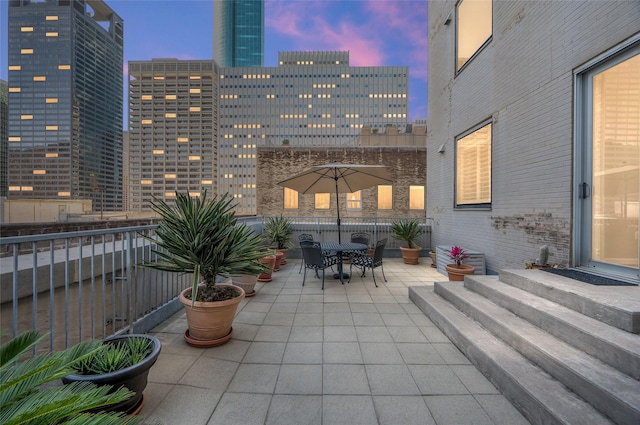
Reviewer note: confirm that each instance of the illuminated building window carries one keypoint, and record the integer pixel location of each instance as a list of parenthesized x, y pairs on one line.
[(147, 97), (51, 34), (145, 181), (51, 18), (51, 100), (183, 139), (14, 139), (194, 194), (158, 151), (290, 198), (27, 188), (15, 89), (194, 91), (14, 188), (194, 77), (64, 193), (170, 194), (416, 197), (322, 201), (26, 29), (26, 51), (64, 67), (354, 200), (51, 155), (158, 77), (39, 78), (206, 182), (15, 67), (385, 197), (474, 28), (146, 121), (194, 109), (169, 176), (473, 168), (194, 157), (170, 115), (170, 97), (39, 172), (26, 117), (51, 127)]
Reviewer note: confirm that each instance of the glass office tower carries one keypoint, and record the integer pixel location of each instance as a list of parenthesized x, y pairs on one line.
[(65, 101), (238, 33)]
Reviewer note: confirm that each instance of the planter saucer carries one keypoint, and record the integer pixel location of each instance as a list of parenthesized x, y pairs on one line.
[(206, 343), (249, 294)]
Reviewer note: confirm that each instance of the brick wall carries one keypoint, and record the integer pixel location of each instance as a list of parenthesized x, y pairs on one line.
[(523, 81), (407, 166)]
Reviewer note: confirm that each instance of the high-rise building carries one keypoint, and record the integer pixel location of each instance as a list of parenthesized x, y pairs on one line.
[(238, 33), (65, 101), (4, 116), (309, 99), (172, 129)]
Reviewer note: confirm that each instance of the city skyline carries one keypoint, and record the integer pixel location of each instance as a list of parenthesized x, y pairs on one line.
[(375, 32)]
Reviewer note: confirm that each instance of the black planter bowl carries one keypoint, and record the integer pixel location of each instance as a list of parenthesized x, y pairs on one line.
[(133, 377)]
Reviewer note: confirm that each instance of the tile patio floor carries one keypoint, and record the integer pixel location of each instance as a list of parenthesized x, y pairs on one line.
[(348, 355)]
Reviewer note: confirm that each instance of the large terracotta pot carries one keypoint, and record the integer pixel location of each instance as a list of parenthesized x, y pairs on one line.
[(210, 322), (133, 377), (410, 255), (270, 262), (457, 273), (284, 251), (247, 282)]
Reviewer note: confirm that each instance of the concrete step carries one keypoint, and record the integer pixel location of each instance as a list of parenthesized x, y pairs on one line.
[(539, 397), (607, 389), (618, 306), (611, 345)]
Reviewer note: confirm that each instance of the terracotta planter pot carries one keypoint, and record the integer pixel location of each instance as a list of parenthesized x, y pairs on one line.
[(456, 273), (247, 282), (270, 262), (133, 377), (279, 258), (410, 255), (284, 251), (209, 322)]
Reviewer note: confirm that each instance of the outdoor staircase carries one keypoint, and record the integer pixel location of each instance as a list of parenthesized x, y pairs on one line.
[(562, 351)]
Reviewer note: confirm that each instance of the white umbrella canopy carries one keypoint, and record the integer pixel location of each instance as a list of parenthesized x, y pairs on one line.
[(338, 178)]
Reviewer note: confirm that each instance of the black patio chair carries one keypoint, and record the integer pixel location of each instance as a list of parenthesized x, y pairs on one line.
[(363, 261), (359, 237), (304, 237), (315, 259)]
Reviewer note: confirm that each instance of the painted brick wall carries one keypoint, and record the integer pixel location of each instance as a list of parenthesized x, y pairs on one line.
[(523, 80)]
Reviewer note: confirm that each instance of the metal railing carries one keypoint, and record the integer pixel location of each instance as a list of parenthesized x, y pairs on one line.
[(91, 284)]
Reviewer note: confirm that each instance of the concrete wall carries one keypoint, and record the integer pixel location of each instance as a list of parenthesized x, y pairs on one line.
[(43, 210), (407, 166), (523, 81)]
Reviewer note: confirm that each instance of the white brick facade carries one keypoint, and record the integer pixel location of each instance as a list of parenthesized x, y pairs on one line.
[(523, 80)]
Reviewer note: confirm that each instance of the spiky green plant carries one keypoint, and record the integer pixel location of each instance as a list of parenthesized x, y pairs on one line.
[(200, 236), (406, 230), (25, 399), (116, 355), (279, 231)]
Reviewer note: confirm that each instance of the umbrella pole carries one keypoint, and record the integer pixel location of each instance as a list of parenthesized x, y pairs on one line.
[(338, 207)]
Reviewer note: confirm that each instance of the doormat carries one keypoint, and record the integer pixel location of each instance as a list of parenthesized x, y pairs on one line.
[(588, 278)]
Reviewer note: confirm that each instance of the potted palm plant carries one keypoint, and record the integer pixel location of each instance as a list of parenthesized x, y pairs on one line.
[(124, 361), (279, 231), (29, 396), (202, 237), (457, 270), (407, 230)]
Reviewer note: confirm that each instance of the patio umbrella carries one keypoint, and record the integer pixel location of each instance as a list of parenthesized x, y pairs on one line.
[(341, 178)]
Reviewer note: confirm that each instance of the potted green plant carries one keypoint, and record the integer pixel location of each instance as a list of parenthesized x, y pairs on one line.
[(457, 270), (202, 237), (124, 361), (27, 391), (279, 230), (407, 230)]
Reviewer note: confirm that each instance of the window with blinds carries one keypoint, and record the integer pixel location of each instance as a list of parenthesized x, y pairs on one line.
[(473, 168)]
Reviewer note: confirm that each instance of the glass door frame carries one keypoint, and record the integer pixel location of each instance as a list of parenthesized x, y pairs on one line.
[(583, 157)]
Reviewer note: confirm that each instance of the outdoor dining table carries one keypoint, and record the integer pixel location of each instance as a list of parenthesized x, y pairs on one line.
[(340, 248)]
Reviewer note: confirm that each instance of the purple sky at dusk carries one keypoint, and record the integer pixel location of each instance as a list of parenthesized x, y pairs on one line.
[(375, 32)]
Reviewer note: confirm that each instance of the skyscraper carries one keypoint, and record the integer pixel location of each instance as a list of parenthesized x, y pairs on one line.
[(238, 33), (65, 101), (4, 114)]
